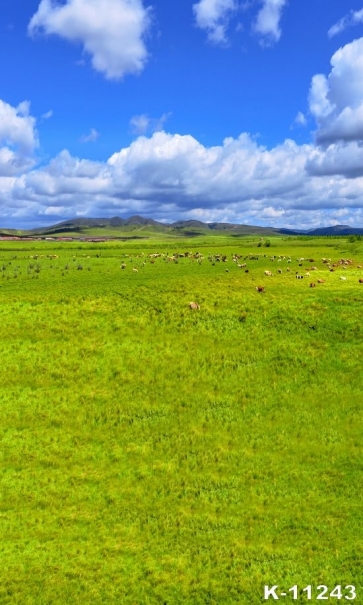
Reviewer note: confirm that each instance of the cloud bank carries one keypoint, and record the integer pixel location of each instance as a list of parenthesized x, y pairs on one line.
[(112, 32), (172, 176)]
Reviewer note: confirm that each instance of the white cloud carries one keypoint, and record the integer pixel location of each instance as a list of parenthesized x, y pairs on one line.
[(91, 137), (338, 159), (143, 124), (213, 16), (140, 124), (18, 138), (267, 23), (173, 176), (336, 101), (352, 18), (47, 115), (111, 31), (320, 106), (300, 119)]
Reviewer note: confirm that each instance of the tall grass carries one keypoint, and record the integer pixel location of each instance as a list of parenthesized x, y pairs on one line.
[(151, 454)]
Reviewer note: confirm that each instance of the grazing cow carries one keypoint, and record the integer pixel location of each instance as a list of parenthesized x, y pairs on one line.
[(279, 270), (361, 281), (135, 270), (194, 306), (260, 288), (321, 281), (312, 285), (246, 270), (123, 266), (268, 273), (299, 276)]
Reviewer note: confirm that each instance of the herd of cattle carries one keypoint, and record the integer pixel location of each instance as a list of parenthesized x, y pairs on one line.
[(342, 263), (243, 261)]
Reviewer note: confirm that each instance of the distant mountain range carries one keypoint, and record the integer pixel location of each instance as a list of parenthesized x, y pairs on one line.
[(117, 226)]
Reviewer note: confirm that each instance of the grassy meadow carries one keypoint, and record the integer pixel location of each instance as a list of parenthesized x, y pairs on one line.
[(155, 455)]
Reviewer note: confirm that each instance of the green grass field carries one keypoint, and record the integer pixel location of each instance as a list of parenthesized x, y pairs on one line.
[(154, 455)]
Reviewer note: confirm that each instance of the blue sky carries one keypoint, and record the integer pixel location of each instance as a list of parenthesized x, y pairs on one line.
[(242, 111)]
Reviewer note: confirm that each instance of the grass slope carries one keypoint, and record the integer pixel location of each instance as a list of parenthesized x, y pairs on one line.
[(154, 455), (116, 227)]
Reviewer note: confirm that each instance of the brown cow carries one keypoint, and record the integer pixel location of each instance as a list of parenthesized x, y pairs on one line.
[(260, 288), (361, 281), (321, 281), (193, 305), (312, 285)]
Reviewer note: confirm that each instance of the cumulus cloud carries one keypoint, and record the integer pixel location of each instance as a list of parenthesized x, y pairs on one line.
[(18, 138), (267, 23), (171, 176), (111, 31), (344, 159), (180, 168), (91, 137), (213, 16), (336, 101), (352, 18), (143, 124)]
